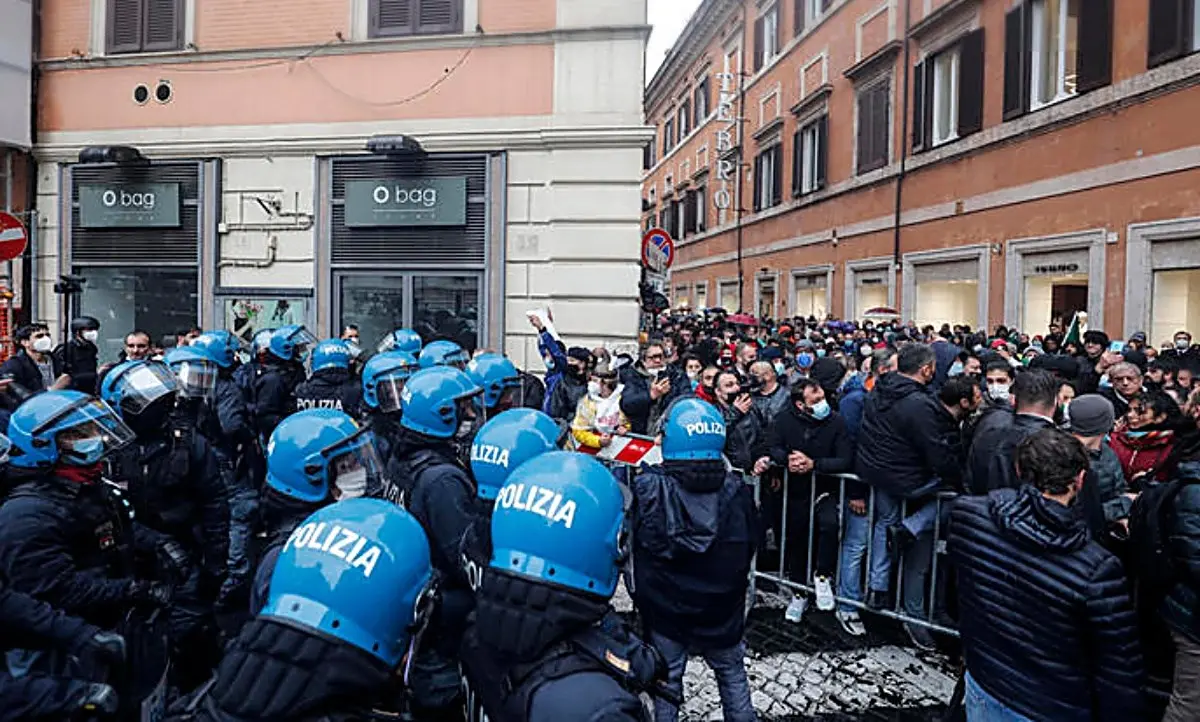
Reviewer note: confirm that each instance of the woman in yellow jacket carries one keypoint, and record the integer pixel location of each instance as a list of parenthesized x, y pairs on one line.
[(598, 416)]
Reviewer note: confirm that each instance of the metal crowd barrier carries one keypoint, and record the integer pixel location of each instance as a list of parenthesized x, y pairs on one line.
[(896, 575)]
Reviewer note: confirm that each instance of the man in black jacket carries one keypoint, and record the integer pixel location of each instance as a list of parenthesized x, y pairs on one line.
[(34, 368), (1048, 626), (573, 385), (990, 463), (650, 387), (745, 425), (78, 356)]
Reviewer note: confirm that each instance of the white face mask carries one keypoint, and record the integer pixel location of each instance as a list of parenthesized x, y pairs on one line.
[(352, 484), (43, 344), (998, 392), (593, 389), (91, 335)]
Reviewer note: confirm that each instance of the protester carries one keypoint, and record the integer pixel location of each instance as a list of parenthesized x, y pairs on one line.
[(598, 415), (1145, 436), (33, 367), (990, 465)]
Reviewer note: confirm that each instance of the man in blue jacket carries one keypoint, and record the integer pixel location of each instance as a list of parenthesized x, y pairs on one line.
[(694, 531)]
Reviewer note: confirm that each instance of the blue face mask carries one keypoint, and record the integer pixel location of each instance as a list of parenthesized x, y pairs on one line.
[(695, 383), (804, 360), (86, 452), (549, 361), (956, 369), (820, 410), (779, 368), (820, 353), (1136, 434)]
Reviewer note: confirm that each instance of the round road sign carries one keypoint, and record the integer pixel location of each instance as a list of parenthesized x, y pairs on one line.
[(13, 237), (658, 250)]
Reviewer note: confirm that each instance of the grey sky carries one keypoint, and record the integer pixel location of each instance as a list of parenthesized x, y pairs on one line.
[(668, 18)]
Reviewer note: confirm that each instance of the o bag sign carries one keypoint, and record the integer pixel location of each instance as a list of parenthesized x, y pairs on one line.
[(129, 205), (406, 202)]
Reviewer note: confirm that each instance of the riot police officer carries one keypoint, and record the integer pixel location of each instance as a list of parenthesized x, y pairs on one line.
[(443, 353), (695, 534), (66, 537), (402, 339), (350, 594), (331, 385), (176, 488), (499, 379), (245, 374), (383, 380), (502, 444), (544, 645), (282, 372), (437, 405), (316, 456)]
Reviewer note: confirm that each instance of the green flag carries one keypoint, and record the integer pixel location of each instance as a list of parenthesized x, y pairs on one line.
[(1077, 328)]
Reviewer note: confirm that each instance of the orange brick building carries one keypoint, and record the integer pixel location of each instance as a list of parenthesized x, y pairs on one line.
[(970, 161)]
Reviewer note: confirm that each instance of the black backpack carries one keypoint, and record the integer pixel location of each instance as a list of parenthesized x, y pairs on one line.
[(1150, 523)]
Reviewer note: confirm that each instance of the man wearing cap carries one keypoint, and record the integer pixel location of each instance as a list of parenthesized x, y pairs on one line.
[(1105, 497)]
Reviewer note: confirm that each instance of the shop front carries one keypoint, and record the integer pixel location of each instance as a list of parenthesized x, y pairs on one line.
[(946, 287), (869, 284), (409, 242), (727, 295), (1162, 282), (764, 293), (811, 289), (134, 236), (1051, 279)]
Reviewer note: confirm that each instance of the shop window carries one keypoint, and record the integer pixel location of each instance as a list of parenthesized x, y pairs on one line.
[(952, 302), (701, 102), (701, 291), (668, 136), (246, 316), (874, 125), (1174, 30), (685, 119), (1046, 298), (810, 155), (390, 18), (143, 26), (727, 296), (810, 297), (681, 297), (869, 293), (948, 93), (1053, 50), (766, 297), (1175, 304), (768, 179), (159, 301), (766, 38)]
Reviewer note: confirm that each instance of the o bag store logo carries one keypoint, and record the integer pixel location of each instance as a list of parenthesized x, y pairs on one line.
[(406, 202), (129, 205)]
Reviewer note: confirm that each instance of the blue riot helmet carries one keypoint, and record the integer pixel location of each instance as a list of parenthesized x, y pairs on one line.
[(504, 443), (133, 386), (357, 571), (66, 427), (694, 431), (547, 426), (197, 374), (402, 339), (498, 378), (221, 347), (560, 519), (383, 379), (443, 353), (318, 453), (290, 343), (438, 401), (332, 353), (261, 341)]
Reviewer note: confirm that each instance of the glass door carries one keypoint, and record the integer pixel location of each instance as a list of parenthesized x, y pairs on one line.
[(435, 305), (447, 306), (373, 303)]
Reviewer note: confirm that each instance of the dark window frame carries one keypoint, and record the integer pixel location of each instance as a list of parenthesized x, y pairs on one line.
[(873, 136), (968, 111), (701, 109), (776, 153), (416, 25), (821, 176), (1170, 29), (685, 118), (1093, 55)]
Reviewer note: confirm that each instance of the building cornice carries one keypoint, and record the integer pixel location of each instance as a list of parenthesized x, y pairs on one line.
[(697, 35)]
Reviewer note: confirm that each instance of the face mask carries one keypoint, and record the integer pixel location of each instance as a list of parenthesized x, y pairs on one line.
[(355, 350), (692, 375), (91, 335), (820, 410), (352, 484), (865, 351), (1182, 343), (695, 384), (1136, 434), (779, 369), (731, 397), (575, 372), (466, 429), (956, 369), (593, 388), (820, 353), (43, 344), (86, 451), (804, 359), (998, 392)]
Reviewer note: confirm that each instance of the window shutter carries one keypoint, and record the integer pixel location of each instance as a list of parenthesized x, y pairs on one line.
[(392, 17), (689, 213), (822, 150), (758, 182), (797, 160), (920, 100), (439, 16), (164, 25), (1168, 34), (880, 123), (970, 83), (777, 180), (1016, 63), (798, 17), (1094, 56), (864, 130), (124, 20), (758, 44), (701, 209)]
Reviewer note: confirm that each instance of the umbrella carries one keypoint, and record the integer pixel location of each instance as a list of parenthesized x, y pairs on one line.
[(881, 313), (743, 319)]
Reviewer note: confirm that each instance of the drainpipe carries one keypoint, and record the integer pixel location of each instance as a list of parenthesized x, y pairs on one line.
[(741, 156), (29, 258), (903, 136)]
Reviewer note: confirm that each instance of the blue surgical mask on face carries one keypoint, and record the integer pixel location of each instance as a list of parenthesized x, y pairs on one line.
[(956, 369), (820, 353), (779, 368), (86, 451), (804, 359), (1136, 434), (820, 410)]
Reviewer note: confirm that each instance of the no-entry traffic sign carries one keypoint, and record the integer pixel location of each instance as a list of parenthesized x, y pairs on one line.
[(658, 250), (13, 237)]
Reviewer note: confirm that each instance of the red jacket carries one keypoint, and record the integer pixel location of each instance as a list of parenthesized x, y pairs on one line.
[(1148, 453)]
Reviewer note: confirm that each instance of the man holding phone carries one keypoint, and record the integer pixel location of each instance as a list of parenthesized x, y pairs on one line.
[(745, 425), (650, 387)]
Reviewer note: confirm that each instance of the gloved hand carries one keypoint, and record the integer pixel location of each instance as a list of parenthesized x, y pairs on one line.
[(108, 646), (94, 699), (152, 593), (173, 556)]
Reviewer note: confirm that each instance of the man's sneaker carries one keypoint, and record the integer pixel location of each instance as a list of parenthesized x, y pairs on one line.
[(851, 623), (921, 637), (878, 600), (824, 589), (795, 610)]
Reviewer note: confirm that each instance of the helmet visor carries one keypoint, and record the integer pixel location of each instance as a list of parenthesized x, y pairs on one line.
[(353, 465), (144, 384), (388, 389), (387, 343), (88, 431), (303, 341), (197, 379)]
